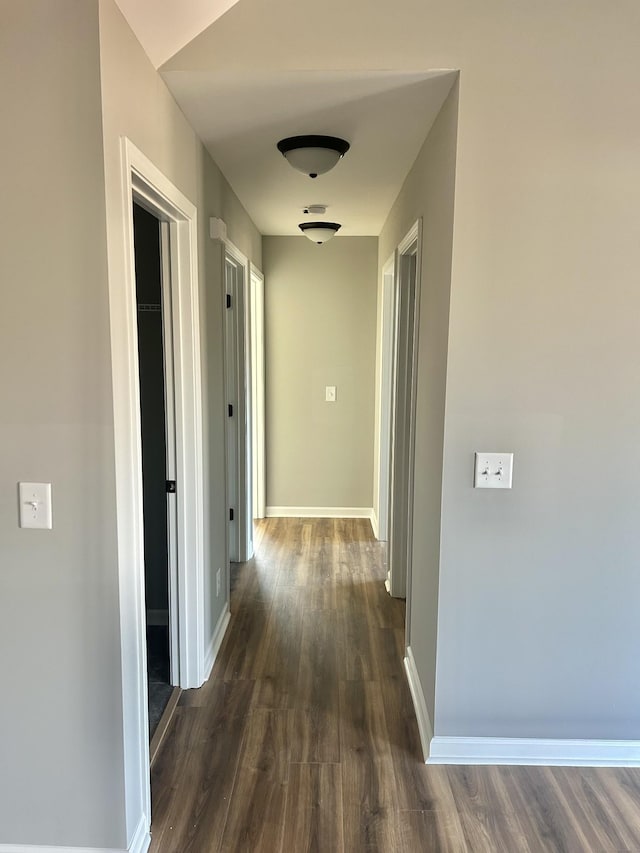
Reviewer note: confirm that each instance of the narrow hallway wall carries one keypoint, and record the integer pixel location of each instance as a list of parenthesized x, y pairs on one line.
[(320, 314)]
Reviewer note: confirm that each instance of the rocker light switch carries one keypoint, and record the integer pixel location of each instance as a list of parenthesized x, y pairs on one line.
[(493, 471), (330, 393), (35, 505)]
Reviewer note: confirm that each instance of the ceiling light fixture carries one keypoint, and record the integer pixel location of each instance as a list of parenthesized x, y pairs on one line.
[(319, 232), (313, 155)]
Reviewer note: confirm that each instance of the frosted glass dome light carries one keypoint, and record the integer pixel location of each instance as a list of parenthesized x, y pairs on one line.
[(313, 155), (319, 232)]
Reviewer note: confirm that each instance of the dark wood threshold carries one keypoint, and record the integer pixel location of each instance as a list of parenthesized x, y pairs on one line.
[(163, 725)]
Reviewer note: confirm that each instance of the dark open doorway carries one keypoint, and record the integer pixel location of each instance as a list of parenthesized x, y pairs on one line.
[(151, 360)]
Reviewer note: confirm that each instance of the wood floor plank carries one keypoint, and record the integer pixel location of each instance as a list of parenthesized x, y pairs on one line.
[(432, 831), (193, 777), (547, 828), (595, 829), (369, 796), (315, 695), (305, 739), (313, 820), (358, 655), (249, 627), (259, 792), (276, 661)]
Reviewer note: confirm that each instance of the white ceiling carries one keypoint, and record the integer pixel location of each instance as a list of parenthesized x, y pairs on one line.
[(163, 27), (241, 115), (384, 115)]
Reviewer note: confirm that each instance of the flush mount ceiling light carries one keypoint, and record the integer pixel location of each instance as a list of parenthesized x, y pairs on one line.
[(313, 155), (319, 232)]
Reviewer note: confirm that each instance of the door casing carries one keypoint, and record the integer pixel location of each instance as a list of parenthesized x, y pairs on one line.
[(404, 384), (143, 181)]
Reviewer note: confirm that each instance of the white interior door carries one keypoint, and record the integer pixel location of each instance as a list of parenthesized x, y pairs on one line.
[(233, 469), (238, 392)]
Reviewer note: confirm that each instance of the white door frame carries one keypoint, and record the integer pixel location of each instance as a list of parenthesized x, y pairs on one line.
[(387, 349), (258, 392), (238, 391), (150, 188), (402, 470), (168, 321)]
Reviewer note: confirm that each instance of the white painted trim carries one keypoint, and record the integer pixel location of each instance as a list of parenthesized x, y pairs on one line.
[(387, 333), (256, 310), (140, 844), (152, 189), (239, 257), (420, 706), (141, 839), (140, 179), (521, 751), (320, 512), (168, 322), (411, 237), (374, 522), (404, 388), (216, 641)]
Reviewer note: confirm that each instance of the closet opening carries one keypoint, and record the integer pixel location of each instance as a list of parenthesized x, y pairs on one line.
[(155, 368)]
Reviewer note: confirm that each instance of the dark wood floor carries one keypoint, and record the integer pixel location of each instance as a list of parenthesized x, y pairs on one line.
[(304, 739)]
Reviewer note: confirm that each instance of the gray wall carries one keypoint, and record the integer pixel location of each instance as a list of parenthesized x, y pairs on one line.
[(428, 193), (320, 313), (162, 133), (137, 104), (62, 780), (538, 626), (61, 720)]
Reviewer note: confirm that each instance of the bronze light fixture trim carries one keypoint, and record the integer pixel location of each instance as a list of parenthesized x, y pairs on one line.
[(319, 232), (313, 155)]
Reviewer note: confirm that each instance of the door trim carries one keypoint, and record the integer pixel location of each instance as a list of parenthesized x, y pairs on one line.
[(387, 348), (256, 307), (140, 179), (400, 576), (167, 276)]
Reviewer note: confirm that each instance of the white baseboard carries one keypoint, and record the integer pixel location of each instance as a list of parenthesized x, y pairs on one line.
[(319, 512), (157, 617), (216, 642), (417, 694), (551, 752), (142, 837), (139, 844), (374, 522)]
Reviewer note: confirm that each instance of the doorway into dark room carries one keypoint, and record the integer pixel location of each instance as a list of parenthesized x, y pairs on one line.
[(157, 488)]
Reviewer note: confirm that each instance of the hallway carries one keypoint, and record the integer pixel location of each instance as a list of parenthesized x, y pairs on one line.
[(304, 738)]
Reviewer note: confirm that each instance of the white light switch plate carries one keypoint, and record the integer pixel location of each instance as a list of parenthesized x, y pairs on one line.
[(493, 471), (35, 505), (330, 394)]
